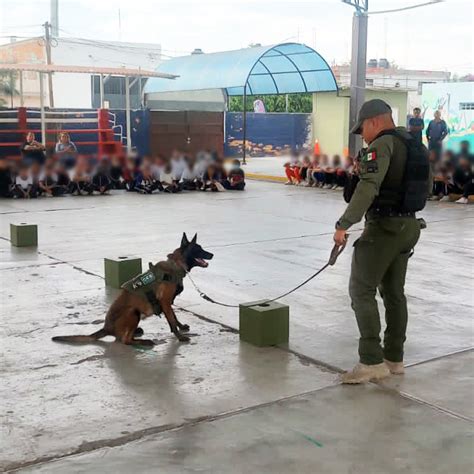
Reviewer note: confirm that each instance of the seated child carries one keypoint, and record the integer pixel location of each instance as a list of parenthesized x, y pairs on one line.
[(145, 183), (115, 173), (48, 181), (167, 180), (80, 179), (101, 181), (6, 181), (292, 170), (63, 182), (340, 175), (443, 183), (24, 187), (212, 179), (313, 168), (320, 172), (304, 167), (130, 173), (463, 178), (236, 177), (189, 175)]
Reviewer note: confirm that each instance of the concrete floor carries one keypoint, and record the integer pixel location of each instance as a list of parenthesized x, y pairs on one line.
[(217, 405)]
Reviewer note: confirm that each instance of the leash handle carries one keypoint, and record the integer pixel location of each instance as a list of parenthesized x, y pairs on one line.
[(336, 251)]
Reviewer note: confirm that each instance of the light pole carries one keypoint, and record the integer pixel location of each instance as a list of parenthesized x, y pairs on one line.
[(359, 59), (358, 66)]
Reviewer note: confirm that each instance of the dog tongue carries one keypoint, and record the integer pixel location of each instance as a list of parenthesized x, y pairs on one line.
[(201, 262)]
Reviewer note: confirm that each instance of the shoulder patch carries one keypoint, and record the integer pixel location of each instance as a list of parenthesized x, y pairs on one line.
[(371, 156)]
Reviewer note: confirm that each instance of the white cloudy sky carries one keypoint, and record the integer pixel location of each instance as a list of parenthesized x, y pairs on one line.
[(434, 37)]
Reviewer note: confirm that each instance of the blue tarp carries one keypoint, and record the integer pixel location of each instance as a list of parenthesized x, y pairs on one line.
[(280, 69)]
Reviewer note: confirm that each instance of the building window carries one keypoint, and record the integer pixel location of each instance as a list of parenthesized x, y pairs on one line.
[(466, 105), (114, 92), (369, 82)]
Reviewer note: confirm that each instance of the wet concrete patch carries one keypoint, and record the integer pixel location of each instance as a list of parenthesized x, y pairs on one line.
[(337, 430)]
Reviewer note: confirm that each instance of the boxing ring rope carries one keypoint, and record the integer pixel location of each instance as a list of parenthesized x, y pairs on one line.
[(49, 69)]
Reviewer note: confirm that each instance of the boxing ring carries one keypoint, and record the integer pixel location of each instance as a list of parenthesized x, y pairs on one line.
[(96, 129)]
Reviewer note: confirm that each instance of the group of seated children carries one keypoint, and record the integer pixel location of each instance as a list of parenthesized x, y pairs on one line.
[(89, 175), (204, 172), (453, 174), (319, 171)]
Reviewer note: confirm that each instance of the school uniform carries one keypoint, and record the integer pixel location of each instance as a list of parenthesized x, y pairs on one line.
[(22, 185), (145, 185), (100, 181), (51, 181)]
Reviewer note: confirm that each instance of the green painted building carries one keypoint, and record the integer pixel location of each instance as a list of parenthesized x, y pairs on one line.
[(331, 116)]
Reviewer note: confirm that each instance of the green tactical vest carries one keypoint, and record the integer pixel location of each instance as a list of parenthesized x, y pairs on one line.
[(146, 283)]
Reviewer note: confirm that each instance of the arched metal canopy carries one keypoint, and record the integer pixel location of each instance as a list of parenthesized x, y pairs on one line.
[(279, 69)]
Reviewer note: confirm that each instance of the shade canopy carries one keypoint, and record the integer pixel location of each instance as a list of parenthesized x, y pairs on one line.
[(280, 69)]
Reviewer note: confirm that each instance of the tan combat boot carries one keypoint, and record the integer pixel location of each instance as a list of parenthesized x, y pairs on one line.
[(362, 373), (396, 368)]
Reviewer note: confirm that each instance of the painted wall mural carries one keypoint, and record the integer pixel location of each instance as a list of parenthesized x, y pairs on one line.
[(268, 134), (455, 101)]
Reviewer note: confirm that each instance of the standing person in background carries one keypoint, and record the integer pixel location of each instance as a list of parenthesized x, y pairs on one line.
[(436, 133), (32, 151), (66, 150), (416, 124)]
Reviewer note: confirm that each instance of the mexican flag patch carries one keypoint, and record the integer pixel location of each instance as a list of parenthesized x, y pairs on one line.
[(371, 156)]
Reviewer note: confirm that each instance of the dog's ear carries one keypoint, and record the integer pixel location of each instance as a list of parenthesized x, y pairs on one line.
[(184, 240), (194, 238)]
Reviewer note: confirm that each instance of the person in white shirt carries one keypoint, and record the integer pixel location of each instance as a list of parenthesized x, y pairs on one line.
[(178, 164), (167, 180), (24, 184), (189, 175)]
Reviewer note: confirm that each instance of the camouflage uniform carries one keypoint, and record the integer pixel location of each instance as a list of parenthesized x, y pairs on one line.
[(381, 253)]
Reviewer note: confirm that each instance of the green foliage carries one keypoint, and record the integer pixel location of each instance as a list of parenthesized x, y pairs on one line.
[(7, 86), (297, 103)]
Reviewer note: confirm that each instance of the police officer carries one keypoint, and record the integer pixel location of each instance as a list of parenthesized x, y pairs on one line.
[(381, 253)]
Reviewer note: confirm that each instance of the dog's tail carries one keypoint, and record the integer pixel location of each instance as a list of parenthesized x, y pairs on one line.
[(92, 337)]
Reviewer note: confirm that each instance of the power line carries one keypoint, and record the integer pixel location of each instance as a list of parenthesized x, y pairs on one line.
[(411, 7)]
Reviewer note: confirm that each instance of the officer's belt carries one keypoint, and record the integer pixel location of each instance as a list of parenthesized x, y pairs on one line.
[(388, 212)]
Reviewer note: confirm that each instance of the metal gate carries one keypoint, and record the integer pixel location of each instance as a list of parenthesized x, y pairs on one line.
[(186, 130)]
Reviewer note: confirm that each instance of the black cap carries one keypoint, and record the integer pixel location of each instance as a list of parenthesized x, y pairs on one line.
[(371, 108)]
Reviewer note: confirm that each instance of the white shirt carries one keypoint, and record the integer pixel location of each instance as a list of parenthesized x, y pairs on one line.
[(189, 173), (166, 178), (24, 183), (177, 168)]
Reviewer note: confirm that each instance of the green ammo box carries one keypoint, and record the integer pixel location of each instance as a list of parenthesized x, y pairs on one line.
[(24, 235), (264, 323), (121, 269)]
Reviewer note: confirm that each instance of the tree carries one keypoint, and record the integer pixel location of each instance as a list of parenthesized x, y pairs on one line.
[(7, 87), (297, 103)]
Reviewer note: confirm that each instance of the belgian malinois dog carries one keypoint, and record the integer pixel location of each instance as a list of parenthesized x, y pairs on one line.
[(150, 293)]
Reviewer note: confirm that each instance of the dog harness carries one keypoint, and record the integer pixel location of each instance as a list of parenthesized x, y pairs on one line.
[(145, 284)]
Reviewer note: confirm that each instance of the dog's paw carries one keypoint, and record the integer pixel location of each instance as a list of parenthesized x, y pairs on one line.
[(182, 338), (184, 328)]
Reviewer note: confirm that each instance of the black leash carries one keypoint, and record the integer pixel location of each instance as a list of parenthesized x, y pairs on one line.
[(335, 252)]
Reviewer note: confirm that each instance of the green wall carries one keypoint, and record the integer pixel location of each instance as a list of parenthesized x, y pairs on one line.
[(331, 116)]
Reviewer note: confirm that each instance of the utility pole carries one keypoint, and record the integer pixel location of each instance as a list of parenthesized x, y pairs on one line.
[(358, 67), (54, 18), (47, 40)]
